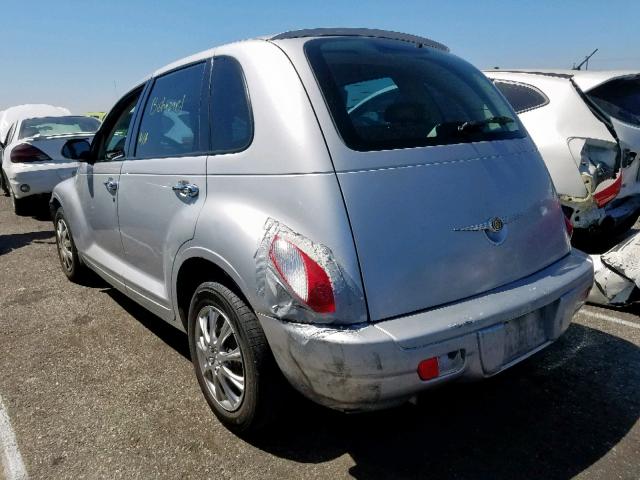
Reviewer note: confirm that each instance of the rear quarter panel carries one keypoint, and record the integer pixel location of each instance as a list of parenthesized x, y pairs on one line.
[(285, 174)]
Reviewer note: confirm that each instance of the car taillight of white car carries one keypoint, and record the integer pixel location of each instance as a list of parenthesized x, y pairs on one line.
[(25, 153), (599, 165)]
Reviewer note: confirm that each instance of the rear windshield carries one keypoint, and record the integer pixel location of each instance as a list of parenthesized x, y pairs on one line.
[(386, 94), (619, 98), (46, 126)]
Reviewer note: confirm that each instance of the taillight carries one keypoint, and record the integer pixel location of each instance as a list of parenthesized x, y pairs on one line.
[(25, 153), (569, 226), (429, 369), (610, 192), (304, 276)]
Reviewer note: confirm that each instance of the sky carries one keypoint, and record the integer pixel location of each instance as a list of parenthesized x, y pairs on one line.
[(84, 54)]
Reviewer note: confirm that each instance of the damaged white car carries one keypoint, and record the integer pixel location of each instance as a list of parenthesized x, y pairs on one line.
[(357, 211), (586, 125), (11, 115), (35, 158)]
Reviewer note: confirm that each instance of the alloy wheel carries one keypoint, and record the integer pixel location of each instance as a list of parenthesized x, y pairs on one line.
[(220, 358), (64, 244)]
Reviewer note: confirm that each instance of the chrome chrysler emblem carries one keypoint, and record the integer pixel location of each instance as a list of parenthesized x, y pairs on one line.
[(495, 225)]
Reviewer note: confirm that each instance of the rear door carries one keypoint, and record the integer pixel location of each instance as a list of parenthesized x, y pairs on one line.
[(162, 188)]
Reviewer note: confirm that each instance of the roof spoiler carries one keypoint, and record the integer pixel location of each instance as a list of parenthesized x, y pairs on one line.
[(361, 32)]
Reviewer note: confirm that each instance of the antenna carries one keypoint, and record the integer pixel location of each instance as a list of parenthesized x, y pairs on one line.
[(584, 62)]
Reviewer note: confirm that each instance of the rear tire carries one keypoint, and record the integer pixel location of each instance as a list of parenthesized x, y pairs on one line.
[(70, 261), (20, 205), (232, 360)]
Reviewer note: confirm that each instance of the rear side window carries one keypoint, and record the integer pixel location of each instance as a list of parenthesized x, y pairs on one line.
[(385, 94), (522, 97), (231, 119), (170, 122), (619, 98)]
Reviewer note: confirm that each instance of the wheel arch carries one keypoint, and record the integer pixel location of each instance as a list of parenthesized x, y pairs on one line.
[(195, 267), (54, 205)]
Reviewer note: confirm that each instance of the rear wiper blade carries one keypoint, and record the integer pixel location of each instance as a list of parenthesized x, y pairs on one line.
[(474, 124)]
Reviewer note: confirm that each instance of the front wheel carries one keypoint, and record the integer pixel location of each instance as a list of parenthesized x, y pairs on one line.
[(71, 264), (4, 184), (232, 360)]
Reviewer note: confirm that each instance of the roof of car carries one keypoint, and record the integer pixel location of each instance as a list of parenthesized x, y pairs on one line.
[(308, 33), (585, 79), (360, 32)]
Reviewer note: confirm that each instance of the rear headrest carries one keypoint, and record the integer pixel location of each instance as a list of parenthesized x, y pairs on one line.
[(405, 112)]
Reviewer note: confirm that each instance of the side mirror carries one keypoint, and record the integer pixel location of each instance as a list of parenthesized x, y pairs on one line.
[(77, 149)]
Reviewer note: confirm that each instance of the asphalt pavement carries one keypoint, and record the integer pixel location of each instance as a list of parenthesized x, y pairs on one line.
[(93, 386)]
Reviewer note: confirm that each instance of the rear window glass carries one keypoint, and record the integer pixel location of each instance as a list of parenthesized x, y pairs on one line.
[(521, 97), (386, 94), (46, 126), (619, 98)]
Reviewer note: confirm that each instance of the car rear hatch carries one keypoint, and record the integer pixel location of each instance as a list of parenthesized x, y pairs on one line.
[(444, 204), (618, 99)]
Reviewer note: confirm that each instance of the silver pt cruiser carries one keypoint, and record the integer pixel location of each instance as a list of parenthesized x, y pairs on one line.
[(359, 210)]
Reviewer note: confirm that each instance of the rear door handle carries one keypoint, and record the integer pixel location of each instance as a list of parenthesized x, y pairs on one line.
[(111, 185), (186, 189)]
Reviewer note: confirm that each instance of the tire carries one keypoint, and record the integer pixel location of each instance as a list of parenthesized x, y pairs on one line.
[(20, 205), (4, 184), (246, 355), (70, 261)]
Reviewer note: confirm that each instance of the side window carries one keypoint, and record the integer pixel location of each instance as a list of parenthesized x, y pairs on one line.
[(170, 122), (522, 97), (231, 119), (112, 147)]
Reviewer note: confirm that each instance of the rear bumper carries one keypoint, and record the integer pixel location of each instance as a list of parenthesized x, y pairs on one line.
[(372, 366), (40, 178), (621, 210)]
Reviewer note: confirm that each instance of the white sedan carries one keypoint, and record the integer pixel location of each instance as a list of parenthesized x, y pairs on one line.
[(35, 158), (586, 125)]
